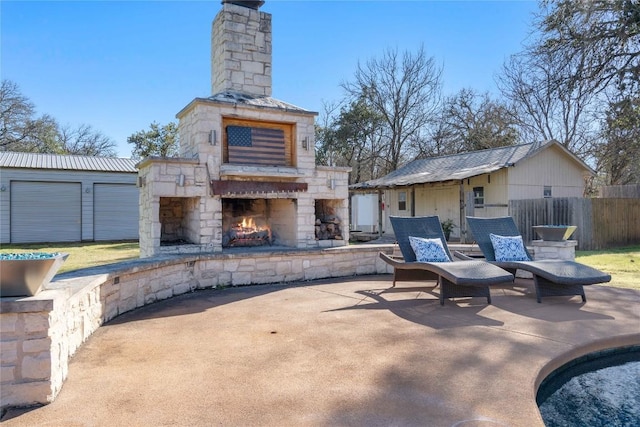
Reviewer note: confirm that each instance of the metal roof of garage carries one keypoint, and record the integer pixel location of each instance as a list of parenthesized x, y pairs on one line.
[(10, 159)]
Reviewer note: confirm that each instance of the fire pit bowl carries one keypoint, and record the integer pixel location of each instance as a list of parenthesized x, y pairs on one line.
[(554, 233), (24, 274)]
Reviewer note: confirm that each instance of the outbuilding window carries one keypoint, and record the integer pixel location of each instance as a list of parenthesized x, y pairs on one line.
[(402, 200), (478, 197), (547, 192)]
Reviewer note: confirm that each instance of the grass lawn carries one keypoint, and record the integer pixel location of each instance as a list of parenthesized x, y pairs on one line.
[(622, 263), (82, 255)]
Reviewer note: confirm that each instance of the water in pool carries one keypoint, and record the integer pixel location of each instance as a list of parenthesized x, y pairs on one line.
[(594, 391)]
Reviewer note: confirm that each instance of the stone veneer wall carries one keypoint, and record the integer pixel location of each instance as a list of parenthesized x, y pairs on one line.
[(241, 51), (38, 335), (201, 161), (564, 250), (202, 115), (160, 177)]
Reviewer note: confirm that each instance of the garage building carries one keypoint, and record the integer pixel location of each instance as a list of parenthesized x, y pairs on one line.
[(67, 198)]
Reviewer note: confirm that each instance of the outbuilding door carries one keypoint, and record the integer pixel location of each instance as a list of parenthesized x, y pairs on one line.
[(115, 212), (45, 211)]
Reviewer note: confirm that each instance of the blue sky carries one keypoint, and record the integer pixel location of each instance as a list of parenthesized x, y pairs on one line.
[(120, 65)]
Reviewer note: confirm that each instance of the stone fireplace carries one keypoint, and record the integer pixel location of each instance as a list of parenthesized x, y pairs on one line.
[(246, 177)]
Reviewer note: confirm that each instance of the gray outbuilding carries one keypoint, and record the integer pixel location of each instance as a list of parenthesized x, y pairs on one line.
[(67, 198)]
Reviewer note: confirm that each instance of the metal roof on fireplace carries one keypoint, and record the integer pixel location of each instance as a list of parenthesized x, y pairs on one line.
[(237, 98)]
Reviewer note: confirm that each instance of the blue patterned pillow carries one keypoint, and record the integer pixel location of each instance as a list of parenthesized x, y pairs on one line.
[(428, 250), (508, 248)]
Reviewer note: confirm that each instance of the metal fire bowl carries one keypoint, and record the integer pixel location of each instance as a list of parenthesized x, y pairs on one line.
[(26, 277), (554, 233)]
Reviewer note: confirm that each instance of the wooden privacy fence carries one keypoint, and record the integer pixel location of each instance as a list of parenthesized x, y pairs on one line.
[(630, 191), (602, 223)]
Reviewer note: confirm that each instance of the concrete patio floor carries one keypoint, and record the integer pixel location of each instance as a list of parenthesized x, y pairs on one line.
[(342, 352)]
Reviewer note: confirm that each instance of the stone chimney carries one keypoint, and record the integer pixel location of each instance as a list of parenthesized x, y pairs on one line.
[(241, 49)]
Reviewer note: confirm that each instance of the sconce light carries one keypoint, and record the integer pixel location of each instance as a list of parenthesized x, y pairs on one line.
[(331, 183), (87, 190), (213, 140), (3, 188), (141, 181), (180, 180), (305, 143)]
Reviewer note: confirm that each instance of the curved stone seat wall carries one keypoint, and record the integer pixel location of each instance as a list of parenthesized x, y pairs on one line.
[(39, 334)]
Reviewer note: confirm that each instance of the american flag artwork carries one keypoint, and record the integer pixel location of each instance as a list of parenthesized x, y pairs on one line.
[(261, 146)]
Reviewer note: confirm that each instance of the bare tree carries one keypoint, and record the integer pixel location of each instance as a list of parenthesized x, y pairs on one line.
[(21, 131), (325, 139), (471, 121), (84, 140), (405, 91), (16, 115), (545, 104), (585, 54), (602, 35)]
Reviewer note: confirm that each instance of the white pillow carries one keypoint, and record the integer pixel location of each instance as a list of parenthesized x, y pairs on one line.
[(428, 250), (508, 248)]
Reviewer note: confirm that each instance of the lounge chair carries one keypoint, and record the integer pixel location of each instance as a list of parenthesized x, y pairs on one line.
[(456, 278), (551, 277)]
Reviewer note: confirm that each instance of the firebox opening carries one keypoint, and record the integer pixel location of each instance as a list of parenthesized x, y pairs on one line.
[(328, 225), (258, 222), (178, 220)]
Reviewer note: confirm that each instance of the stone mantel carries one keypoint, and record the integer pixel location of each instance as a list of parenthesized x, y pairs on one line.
[(227, 170)]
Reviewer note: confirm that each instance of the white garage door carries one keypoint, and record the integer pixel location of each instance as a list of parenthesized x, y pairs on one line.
[(45, 211), (115, 212)]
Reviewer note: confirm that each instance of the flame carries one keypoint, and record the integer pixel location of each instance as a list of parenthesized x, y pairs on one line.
[(248, 223), (247, 228)]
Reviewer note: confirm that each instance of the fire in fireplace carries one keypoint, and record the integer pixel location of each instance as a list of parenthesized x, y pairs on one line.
[(258, 222), (246, 231)]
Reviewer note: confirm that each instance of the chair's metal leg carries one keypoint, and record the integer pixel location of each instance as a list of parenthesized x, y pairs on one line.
[(449, 289), (537, 286), (548, 288)]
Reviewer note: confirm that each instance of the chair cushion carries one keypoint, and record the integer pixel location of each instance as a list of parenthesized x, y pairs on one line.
[(508, 248), (428, 250)]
